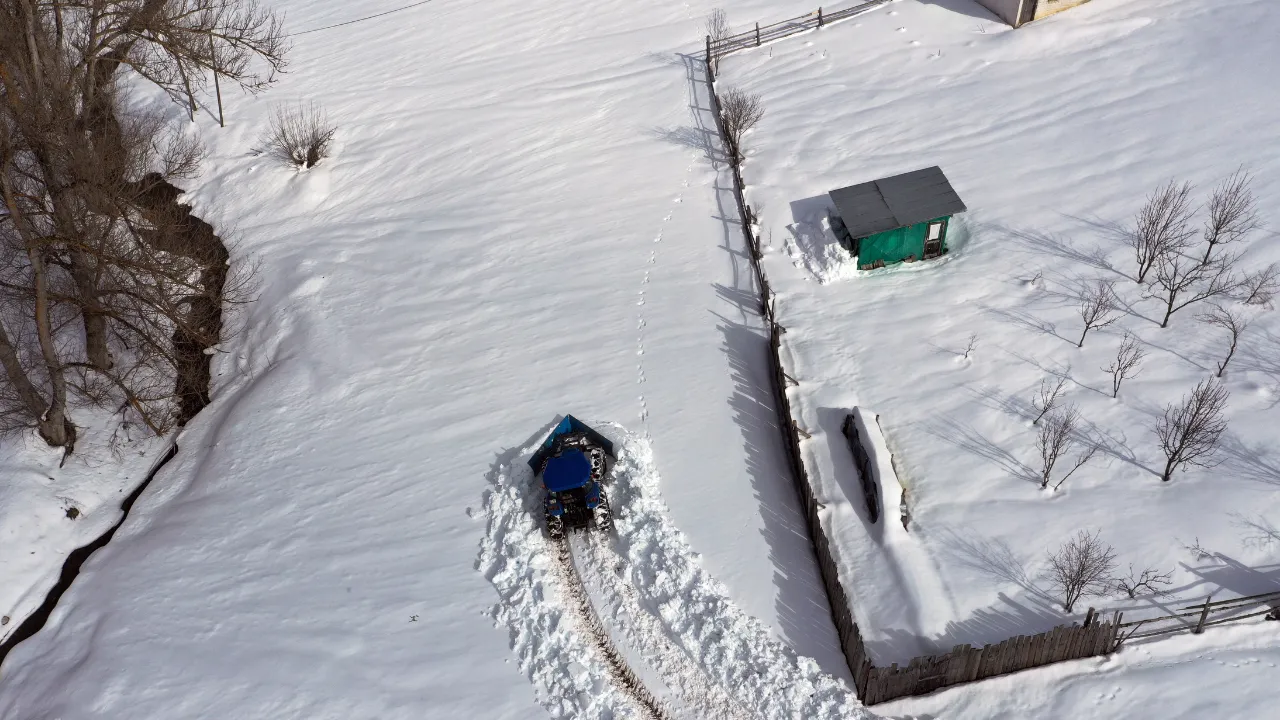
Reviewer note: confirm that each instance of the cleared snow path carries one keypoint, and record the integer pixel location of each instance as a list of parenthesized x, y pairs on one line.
[(717, 660)]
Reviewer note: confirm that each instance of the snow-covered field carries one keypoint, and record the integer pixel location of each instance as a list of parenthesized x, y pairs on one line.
[(521, 220), (1052, 135), (517, 223)]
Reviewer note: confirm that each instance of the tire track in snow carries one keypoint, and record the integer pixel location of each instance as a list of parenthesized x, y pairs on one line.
[(678, 670), (623, 677)]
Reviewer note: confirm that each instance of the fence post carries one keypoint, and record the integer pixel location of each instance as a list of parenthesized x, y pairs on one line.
[(1204, 614), (819, 16), (1088, 617), (213, 63), (711, 71), (757, 34)]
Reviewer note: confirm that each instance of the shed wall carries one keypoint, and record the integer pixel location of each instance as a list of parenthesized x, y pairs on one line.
[(895, 246), (1049, 7)]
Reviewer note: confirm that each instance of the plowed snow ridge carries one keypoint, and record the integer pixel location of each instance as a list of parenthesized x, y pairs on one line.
[(731, 655)]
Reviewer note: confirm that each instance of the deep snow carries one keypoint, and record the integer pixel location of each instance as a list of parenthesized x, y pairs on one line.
[(521, 220)]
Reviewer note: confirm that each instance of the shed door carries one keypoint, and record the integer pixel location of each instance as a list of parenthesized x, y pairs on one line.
[(933, 241), (1027, 12)]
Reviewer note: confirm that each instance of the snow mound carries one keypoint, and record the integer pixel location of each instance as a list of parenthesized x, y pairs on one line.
[(735, 651)]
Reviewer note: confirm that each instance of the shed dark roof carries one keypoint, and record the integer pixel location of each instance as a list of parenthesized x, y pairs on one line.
[(895, 202)]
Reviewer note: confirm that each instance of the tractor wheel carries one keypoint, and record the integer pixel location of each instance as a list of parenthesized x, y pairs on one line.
[(603, 514), (555, 527)]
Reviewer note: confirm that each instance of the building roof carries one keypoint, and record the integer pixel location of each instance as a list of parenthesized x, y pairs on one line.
[(895, 202)]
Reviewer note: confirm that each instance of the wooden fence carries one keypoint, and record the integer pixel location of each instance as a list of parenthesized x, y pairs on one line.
[(1200, 617), (761, 34)]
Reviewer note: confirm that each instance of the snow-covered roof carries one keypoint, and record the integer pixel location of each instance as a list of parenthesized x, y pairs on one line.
[(897, 201)]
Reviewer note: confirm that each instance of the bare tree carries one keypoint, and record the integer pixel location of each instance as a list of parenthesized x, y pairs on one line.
[(1188, 431), (1231, 321), (1233, 212), (1126, 365), (970, 345), (740, 111), (1082, 566), (1149, 579), (1054, 438), (718, 25), (1257, 288), (1163, 226), (1187, 280), (1097, 308), (299, 136), (1048, 396)]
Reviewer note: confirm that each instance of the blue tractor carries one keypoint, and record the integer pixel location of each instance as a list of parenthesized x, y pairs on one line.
[(572, 464)]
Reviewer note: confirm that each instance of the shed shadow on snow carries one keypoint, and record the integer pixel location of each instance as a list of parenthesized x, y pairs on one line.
[(970, 8), (803, 612)]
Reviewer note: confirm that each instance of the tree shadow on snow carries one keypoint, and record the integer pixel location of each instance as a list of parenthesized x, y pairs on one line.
[(971, 441), (803, 613)]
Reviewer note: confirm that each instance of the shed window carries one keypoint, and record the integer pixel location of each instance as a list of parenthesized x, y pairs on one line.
[(935, 231)]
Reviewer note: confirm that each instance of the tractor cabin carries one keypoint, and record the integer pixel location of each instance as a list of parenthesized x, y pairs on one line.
[(903, 218)]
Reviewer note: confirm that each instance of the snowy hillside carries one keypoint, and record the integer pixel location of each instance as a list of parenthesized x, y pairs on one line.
[(523, 217)]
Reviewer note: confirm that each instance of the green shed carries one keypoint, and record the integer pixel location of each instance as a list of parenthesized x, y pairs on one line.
[(903, 218)]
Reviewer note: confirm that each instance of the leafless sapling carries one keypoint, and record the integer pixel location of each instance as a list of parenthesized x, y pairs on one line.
[(1056, 437), (1189, 430), (1081, 566), (718, 25), (1048, 396), (1097, 308), (1233, 213), (1231, 321), (1185, 280), (1163, 226), (1126, 364), (1149, 579), (970, 345), (1257, 288), (740, 111)]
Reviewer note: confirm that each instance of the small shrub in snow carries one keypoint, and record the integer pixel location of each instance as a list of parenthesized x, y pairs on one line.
[(1127, 362), (1189, 431), (1082, 566), (299, 136), (970, 345)]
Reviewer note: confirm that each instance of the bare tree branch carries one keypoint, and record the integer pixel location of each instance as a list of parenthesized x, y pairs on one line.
[(1048, 396), (1150, 579), (1257, 288)]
